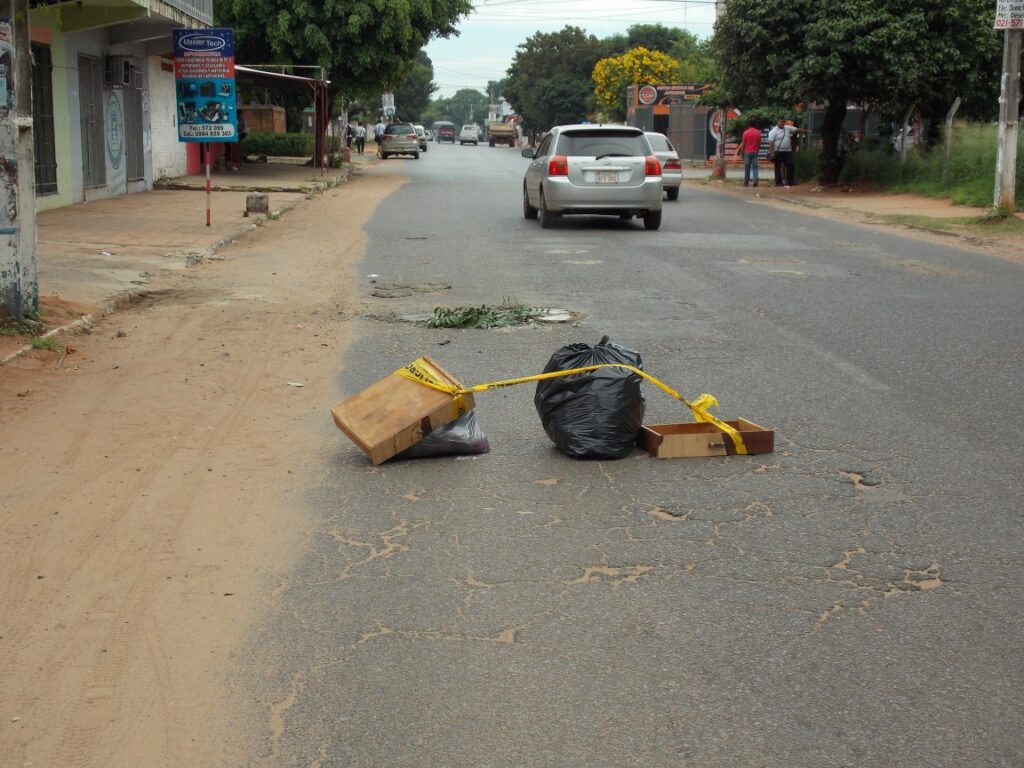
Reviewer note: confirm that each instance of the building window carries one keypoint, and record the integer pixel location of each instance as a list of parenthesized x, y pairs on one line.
[(42, 120)]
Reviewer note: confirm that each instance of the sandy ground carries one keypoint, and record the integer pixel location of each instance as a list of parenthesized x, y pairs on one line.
[(151, 477)]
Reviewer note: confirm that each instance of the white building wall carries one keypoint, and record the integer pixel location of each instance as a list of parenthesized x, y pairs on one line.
[(169, 159)]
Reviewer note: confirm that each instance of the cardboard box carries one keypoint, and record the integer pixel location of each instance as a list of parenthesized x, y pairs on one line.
[(678, 441), (394, 414)]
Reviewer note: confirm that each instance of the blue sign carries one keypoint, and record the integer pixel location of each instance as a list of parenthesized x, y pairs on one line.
[(204, 75)]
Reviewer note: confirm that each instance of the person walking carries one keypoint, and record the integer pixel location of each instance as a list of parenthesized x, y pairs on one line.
[(750, 149), (378, 131), (360, 137), (780, 149)]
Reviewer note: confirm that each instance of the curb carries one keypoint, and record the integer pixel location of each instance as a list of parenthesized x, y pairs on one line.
[(84, 320)]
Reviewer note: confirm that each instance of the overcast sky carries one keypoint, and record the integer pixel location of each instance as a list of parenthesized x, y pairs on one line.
[(489, 36)]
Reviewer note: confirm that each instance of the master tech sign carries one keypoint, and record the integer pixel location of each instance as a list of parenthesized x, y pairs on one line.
[(204, 73)]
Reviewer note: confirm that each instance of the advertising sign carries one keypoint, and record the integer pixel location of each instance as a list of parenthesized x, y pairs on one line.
[(1010, 14), (204, 75)]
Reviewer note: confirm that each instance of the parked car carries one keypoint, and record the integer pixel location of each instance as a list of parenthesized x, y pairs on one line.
[(671, 168), (469, 134), (421, 133), (400, 139), (444, 132), (593, 169)]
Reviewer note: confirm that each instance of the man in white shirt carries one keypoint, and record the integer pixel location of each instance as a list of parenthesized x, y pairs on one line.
[(378, 131), (780, 147)]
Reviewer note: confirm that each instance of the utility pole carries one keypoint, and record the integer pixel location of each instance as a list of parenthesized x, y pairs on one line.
[(19, 280), (1009, 105)]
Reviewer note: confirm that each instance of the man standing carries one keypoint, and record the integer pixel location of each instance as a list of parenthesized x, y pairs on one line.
[(378, 131), (780, 147), (360, 137), (750, 148)]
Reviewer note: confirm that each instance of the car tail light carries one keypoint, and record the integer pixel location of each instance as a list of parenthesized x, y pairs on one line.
[(652, 167), (673, 165), (411, 136), (558, 166)]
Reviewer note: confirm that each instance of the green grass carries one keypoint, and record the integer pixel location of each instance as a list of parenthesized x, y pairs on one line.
[(980, 226), (30, 324), (483, 316), (970, 177), (50, 343)]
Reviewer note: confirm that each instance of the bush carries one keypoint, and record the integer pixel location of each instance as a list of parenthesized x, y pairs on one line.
[(278, 144)]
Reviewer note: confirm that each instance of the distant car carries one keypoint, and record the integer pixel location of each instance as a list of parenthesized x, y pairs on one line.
[(421, 133), (444, 132), (469, 134), (671, 168), (429, 134), (593, 169), (400, 139)]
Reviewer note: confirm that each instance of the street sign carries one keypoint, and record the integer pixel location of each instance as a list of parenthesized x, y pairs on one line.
[(1010, 14), (204, 74), (389, 111)]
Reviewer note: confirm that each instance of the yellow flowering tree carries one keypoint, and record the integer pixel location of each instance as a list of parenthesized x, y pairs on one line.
[(637, 66)]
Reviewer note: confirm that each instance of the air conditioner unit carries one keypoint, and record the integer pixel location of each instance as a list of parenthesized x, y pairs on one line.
[(117, 71)]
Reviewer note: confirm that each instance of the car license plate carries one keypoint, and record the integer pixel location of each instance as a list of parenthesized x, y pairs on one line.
[(607, 177)]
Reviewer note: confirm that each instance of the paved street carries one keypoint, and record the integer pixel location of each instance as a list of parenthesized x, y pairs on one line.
[(200, 569), (853, 599)]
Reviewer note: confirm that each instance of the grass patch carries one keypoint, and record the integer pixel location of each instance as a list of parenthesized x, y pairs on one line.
[(981, 226), (970, 174), (483, 316), (30, 324), (50, 344)]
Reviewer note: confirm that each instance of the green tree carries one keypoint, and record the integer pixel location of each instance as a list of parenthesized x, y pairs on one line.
[(886, 53), (550, 63), (365, 46), (468, 105), (413, 97)]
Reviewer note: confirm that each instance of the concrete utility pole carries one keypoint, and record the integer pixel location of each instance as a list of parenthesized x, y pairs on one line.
[(1009, 122), (19, 280)]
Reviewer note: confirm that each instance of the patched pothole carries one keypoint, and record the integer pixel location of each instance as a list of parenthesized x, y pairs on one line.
[(401, 290)]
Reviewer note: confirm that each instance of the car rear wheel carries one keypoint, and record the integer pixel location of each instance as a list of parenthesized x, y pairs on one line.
[(547, 218), (673, 193), (529, 212), (415, 155), (652, 219)]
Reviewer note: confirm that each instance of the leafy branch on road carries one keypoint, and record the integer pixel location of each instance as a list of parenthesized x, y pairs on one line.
[(483, 316)]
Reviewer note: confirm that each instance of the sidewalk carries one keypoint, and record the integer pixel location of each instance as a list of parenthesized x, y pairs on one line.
[(98, 253), (94, 256)]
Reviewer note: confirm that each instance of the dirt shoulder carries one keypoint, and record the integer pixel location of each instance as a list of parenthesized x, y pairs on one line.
[(152, 477), (924, 218)]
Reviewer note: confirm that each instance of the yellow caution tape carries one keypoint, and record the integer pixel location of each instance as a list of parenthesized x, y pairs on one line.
[(423, 373)]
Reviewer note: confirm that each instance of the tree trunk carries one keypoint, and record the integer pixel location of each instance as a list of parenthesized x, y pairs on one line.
[(904, 135), (863, 144), (831, 130)]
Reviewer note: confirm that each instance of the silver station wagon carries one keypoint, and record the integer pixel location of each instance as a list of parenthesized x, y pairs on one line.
[(593, 169)]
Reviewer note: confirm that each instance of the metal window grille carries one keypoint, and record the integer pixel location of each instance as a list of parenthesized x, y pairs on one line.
[(42, 121)]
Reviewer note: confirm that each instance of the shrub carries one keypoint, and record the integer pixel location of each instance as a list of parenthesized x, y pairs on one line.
[(278, 144)]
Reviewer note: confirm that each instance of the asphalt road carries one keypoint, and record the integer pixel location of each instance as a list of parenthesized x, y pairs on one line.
[(853, 599)]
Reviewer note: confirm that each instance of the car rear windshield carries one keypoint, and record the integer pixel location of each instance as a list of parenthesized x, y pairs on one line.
[(659, 143), (399, 128), (597, 143)]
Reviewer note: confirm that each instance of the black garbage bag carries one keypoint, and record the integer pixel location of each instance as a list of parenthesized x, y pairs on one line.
[(592, 415), (462, 436)]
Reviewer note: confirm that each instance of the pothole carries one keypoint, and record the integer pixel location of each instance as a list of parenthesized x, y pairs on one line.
[(401, 290), (860, 480)]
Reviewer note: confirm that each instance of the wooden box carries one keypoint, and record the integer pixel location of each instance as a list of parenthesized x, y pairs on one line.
[(677, 441), (394, 414)]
